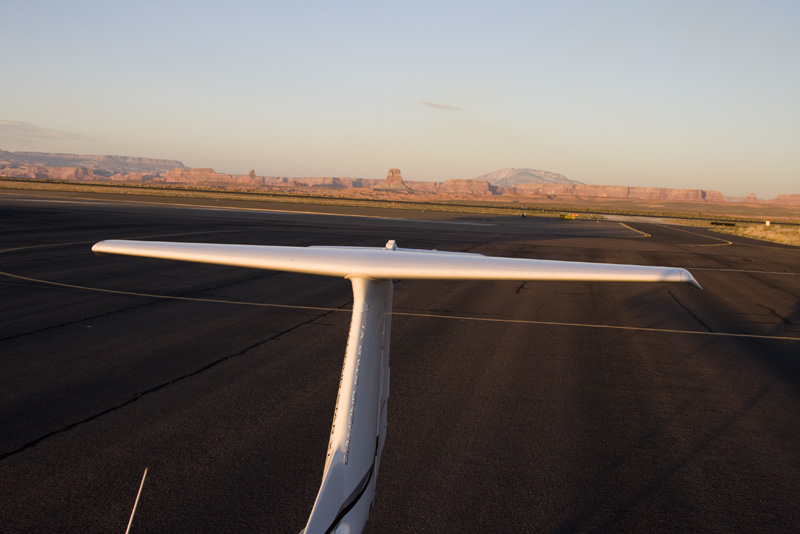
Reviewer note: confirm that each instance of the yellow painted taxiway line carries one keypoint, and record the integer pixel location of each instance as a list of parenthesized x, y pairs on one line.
[(643, 234), (724, 243)]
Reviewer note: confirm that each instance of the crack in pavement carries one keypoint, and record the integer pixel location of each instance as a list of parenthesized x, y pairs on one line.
[(75, 321), (141, 394), (690, 312), (776, 314), (106, 314)]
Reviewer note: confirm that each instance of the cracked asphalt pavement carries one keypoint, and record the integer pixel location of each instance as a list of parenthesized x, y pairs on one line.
[(548, 406)]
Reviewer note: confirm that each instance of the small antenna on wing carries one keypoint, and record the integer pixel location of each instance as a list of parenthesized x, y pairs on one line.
[(130, 521)]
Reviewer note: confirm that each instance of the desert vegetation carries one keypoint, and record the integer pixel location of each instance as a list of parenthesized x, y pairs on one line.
[(788, 234)]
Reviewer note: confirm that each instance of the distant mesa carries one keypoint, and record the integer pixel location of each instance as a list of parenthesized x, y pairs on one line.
[(513, 185), (786, 200), (613, 192), (113, 164), (470, 187), (195, 175), (510, 177)]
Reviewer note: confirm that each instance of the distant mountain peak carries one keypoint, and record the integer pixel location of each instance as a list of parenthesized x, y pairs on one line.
[(509, 177)]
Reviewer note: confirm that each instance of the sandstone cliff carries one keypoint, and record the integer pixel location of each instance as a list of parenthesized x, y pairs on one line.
[(472, 187), (196, 176), (610, 191), (321, 182), (112, 164), (55, 173), (787, 200)]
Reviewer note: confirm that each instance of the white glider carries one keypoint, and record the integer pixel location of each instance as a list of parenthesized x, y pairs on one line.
[(358, 431)]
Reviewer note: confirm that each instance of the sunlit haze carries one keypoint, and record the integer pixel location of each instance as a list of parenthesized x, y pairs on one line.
[(685, 94)]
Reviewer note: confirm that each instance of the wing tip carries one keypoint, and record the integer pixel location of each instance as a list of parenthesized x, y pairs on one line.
[(97, 248), (687, 277)]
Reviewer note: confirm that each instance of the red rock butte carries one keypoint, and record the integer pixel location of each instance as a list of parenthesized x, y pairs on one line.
[(394, 176)]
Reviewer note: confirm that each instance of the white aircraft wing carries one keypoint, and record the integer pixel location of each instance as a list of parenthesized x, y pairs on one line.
[(392, 263)]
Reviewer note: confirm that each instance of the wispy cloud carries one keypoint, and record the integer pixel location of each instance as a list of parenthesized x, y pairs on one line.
[(436, 105), (22, 132)]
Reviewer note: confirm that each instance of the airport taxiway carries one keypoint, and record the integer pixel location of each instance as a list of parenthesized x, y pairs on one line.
[(549, 406)]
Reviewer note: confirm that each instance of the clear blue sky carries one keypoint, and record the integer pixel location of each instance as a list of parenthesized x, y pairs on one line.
[(689, 94)]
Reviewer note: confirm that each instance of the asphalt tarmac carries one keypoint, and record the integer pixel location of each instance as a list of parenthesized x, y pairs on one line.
[(515, 407)]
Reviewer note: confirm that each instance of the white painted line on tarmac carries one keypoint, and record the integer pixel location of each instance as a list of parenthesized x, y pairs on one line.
[(603, 326), (165, 297), (428, 315)]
